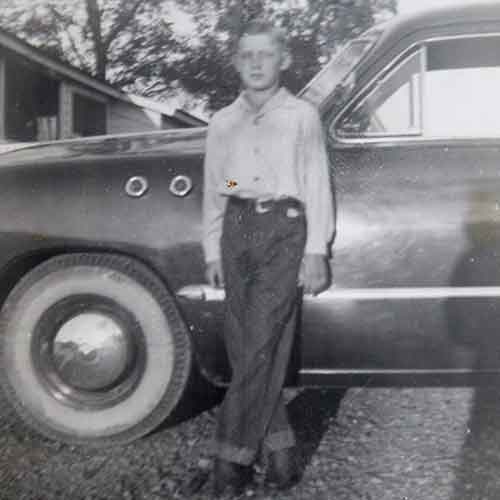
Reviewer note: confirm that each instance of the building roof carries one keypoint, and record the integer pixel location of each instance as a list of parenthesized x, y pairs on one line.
[(36, 55)]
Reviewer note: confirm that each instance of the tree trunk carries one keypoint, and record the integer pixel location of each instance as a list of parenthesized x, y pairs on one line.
[(100, 52)]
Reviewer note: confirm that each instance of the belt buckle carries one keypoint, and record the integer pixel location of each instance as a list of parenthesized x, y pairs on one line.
[(260, 208)]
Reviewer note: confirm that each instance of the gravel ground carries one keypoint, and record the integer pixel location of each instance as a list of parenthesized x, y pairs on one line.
[(368, 444)]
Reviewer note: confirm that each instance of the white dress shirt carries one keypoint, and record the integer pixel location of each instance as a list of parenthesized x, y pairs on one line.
[(270, 153)]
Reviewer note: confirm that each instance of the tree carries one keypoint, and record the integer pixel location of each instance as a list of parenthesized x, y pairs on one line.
[(130, 43), (317, 29), (113, 40)]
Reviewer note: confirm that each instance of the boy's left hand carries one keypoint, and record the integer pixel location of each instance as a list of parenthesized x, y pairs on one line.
[(313, 274)]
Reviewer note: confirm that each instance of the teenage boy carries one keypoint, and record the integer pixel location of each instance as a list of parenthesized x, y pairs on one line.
[(266, 172)]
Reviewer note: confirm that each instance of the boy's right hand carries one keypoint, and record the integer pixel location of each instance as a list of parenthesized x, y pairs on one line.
[(214, 274)]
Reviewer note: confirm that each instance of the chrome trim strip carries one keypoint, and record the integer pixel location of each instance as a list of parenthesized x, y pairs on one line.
[(408, 293), (356, 371), (207, 293), (423, 87), (201, 292), (401, 139), (457, 37)]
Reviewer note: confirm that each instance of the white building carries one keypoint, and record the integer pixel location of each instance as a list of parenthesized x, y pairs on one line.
[(43, 98)]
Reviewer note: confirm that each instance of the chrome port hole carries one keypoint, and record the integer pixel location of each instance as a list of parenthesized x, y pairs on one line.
[(181, 185), (137, 186)]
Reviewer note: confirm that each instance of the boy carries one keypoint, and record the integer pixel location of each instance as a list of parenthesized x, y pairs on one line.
[(266, 170)]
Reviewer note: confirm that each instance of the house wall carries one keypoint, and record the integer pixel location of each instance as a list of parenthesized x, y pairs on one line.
[(123, 117), (168, 122)]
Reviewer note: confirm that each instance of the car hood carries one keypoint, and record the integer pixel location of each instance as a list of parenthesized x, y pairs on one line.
[(165, 143)]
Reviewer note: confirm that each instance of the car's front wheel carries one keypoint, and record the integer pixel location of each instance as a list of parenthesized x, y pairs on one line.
[(94, 350)]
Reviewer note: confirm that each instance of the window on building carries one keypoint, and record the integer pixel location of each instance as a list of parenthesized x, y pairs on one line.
[(31, 104), (89, 116)]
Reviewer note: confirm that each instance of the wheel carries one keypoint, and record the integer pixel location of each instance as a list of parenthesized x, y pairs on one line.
[(94, 350)]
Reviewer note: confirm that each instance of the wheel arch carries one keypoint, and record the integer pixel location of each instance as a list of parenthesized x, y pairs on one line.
[(15, 269)]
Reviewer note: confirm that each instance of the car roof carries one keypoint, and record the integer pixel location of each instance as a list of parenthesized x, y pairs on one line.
[(428, 23), (441, 17), (450, 14)]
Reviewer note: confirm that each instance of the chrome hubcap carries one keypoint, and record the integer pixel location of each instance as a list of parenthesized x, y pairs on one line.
[(88, 351), (91, 351)]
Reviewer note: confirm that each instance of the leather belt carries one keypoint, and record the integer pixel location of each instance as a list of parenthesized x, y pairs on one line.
[(264, 206)]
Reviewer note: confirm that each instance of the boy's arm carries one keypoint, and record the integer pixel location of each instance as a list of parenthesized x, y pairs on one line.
[(320, 209), (213, 203)]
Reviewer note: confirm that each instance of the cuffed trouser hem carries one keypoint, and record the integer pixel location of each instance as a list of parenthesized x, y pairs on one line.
[(232, 453), (280, 440)]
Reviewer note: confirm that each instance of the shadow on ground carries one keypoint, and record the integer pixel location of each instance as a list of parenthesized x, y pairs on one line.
[(473, 324), (199, 396), (311, 414), (477, 475)]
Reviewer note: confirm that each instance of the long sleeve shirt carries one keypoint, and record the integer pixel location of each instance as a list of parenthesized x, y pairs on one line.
[(275, 152)]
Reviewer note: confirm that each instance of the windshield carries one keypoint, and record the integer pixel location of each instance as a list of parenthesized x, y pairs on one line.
[(336, 71)]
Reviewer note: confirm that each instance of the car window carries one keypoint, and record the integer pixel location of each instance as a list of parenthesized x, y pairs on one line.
[(446, 88), (325, 82), (391, 107)]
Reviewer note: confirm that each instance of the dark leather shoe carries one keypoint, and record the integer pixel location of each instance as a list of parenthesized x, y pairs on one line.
[(230, 477), (283, 469)]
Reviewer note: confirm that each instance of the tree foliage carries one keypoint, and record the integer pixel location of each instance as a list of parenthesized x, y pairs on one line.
[(113, 40), (131, 43), (317, 28)]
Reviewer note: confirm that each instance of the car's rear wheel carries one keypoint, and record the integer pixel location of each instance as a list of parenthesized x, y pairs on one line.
[(94, 350)]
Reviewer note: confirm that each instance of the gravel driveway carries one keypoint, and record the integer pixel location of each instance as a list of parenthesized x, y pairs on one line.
[(373, 444)]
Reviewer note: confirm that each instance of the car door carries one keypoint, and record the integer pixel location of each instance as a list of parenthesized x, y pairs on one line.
[(415, 263)]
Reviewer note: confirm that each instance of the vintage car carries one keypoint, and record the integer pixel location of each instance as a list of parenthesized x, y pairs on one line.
[(106, 312)]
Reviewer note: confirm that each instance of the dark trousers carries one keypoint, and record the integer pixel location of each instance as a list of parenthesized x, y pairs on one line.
[(261, 255)]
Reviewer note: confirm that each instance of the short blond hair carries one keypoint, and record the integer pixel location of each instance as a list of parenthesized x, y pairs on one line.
[(261, 26)]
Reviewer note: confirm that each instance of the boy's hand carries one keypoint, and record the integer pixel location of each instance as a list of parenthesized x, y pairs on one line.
[(313, 274), (214, 274)]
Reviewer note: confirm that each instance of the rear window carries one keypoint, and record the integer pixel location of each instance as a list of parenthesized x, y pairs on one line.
[(441, 89)]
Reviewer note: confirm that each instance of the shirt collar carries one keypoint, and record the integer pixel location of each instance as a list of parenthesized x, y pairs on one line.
[(275, 101)]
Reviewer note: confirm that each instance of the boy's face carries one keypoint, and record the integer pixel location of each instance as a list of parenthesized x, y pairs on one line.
[(259, 60)]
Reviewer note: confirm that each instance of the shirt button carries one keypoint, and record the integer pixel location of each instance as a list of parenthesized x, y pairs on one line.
[(256, 151), (256, 179)]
